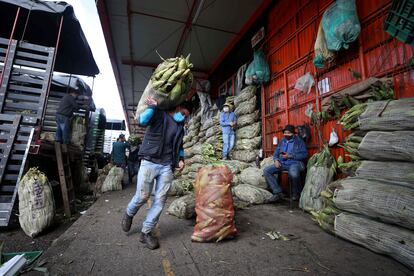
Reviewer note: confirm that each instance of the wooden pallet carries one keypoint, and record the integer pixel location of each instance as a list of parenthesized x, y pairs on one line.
[(15, 138)]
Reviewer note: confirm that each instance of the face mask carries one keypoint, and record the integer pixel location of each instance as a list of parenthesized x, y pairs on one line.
[(226, 109), (288, 137), (178, 117)]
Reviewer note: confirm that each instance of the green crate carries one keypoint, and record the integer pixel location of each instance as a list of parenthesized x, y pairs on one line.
[(30, 256), (400, 21)]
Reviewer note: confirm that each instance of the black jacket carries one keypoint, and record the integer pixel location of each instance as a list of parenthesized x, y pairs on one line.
[(67, 106), (152, 145)]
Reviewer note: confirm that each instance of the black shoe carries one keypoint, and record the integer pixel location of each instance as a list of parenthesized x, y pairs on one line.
[(151, 242), (276, 198), (126, 222)]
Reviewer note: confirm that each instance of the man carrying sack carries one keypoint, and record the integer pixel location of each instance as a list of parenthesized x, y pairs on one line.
[(161, 152)]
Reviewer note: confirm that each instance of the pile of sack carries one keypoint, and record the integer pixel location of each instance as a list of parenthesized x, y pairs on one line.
[(373, 206), (249, 130), (248, 185)]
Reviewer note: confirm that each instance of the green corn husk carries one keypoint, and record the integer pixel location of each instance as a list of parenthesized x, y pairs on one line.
[(391, 240), (320, 172)]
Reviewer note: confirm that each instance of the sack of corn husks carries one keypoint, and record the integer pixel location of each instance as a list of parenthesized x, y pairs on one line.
[(382, 238), (180, 187), (213, 131), (248, 119), (246, 107), (194, 150), (244, 155), (253, 176), (195, 167), (401, 173), (191, 135), (382, 115), (113, 181), (235, 166), (212, 139), (189, 144), (78, 131), (183, 207), (249, 144), (320, 172), (382, 200), (48, 136), (267, 162), (207, 124), (195, 159), (194, 126), (214, 205), (245, 95), (101, 179), (36, 203), (251, 194), (249, 132), (381, 146), (169, 84), (236, 180)]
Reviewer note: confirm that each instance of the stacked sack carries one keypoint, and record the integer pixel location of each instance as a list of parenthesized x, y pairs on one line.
[(248, 133), (249, 185), (373, 206)]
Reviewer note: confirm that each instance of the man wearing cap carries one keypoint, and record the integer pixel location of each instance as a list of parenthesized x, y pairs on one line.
[(119, 148), (64, 114), (228, 124), (289, 156)]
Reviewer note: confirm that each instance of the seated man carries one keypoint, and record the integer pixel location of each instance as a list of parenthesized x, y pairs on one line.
[(289, 156)]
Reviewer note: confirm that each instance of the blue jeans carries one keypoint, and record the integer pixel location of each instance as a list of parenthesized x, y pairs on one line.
[(228, 143), (271, 174), (149, 172), (63, 131)]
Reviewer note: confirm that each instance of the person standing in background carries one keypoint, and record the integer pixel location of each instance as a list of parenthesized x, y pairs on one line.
[(119, 148), (228, 124)]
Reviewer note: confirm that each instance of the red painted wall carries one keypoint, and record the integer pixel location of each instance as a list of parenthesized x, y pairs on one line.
[(292, 28)]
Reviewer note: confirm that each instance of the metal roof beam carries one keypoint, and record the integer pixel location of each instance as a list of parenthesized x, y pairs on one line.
[(183, 22), (187, 27), (154, 65)]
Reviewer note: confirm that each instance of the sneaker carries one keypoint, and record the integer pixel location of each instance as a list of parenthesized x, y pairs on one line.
[(151, 242), (126, 222), (276, 198)]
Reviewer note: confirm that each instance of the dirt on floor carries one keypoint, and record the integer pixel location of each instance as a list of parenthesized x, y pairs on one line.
[(15, 240), (96, 245)]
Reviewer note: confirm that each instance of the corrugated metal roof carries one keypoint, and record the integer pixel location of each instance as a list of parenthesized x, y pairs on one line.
[(139, 28)]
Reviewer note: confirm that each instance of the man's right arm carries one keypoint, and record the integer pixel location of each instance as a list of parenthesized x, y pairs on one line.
[(276, 153)]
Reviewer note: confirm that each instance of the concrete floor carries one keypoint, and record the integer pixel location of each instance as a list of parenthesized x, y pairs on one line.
[(96, 245)]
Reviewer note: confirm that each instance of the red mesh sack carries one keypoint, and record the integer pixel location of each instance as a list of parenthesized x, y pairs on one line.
[(214, 205)]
